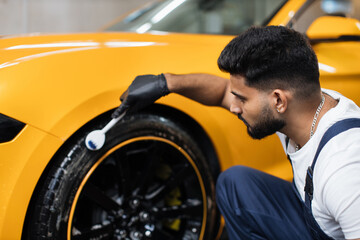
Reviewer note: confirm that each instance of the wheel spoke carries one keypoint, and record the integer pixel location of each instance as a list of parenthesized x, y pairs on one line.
[(96, 232), (124, 178), (192, 208), (170, 184), (162, 234), (99, 197), (147, 174)]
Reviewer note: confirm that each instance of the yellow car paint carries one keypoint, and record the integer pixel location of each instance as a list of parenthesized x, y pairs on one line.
[(287, 12), (333, 27), (57, 83), (22, 160)]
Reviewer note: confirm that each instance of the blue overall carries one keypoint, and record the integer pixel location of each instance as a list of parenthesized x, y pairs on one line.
[(257, 205)]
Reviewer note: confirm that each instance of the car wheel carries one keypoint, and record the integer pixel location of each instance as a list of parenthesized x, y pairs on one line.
[(149, 181)]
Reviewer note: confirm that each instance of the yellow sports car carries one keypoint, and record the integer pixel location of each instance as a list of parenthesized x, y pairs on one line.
[(154, 177)]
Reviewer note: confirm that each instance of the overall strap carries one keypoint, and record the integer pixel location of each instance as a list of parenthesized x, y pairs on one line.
[(287, 140), (334, 130)]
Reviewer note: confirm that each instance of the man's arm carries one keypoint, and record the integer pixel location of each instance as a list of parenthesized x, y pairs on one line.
[(207, 89)]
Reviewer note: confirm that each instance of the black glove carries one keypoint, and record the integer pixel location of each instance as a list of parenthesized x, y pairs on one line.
[(142, 92)]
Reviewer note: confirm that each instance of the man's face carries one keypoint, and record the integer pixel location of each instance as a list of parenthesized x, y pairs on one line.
[(254, 108)]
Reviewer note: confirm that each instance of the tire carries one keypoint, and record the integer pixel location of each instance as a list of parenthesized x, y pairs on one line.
[(149, 181)]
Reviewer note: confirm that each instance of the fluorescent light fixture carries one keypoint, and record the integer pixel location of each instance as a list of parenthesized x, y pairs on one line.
[(166, 10), (143, 28)]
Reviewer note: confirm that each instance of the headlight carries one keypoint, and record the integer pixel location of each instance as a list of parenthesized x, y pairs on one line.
[(9, 128)]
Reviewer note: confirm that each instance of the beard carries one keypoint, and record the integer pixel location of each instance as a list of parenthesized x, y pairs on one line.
[(266, 125)]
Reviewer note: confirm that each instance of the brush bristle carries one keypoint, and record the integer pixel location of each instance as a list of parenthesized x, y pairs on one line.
[(92, 145)]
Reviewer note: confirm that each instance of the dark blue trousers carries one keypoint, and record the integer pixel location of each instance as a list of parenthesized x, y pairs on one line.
[(257, 205)]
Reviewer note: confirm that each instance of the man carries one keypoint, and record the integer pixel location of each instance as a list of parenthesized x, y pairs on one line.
[(274, 88)]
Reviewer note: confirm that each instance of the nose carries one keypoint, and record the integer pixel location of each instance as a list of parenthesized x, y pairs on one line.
[(235, 108)]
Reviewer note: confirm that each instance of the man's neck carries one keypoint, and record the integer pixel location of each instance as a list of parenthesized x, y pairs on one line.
[(301, 118)]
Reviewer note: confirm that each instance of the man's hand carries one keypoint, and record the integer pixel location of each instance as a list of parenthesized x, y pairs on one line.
[(142, 92)]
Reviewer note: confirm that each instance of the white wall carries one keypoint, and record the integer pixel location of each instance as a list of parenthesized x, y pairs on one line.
[(54, 16)]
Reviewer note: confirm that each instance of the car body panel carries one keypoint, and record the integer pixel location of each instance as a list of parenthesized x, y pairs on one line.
[(340, 68), (287, 12), (59, 88), (22, 162), (333, 27)]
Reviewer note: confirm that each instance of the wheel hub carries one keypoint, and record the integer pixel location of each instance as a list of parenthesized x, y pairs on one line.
[(134, 221)]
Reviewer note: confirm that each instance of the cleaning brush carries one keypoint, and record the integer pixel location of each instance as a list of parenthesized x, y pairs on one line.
[(96, 139)]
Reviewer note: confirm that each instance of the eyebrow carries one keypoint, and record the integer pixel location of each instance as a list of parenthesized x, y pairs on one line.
[(239, 96)]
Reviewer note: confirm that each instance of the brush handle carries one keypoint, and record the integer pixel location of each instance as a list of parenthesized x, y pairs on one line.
[(112, 123)]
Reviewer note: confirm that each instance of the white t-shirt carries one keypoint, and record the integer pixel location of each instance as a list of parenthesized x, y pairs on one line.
[(336, 202)]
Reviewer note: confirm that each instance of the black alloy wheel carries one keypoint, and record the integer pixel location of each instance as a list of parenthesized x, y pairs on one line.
[(149, 181)]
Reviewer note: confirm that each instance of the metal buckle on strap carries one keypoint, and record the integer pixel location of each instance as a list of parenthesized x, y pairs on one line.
[(309, 188)]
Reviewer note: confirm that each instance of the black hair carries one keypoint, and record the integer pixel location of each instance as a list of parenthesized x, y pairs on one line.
[(273, 57)]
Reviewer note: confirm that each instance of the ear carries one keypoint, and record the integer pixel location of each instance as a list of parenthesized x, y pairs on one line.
[(280, 100)]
